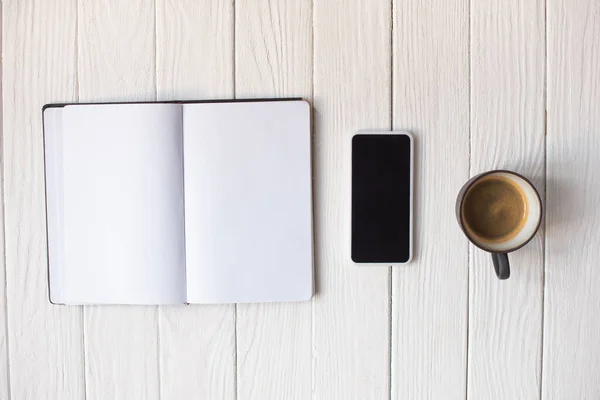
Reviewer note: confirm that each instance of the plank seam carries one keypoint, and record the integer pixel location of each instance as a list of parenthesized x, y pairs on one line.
[(82, 313), (544, 255), (84, 347), (234, 55), (235, 338), (8, 388), (155, 53), (158, 349), (312, 130), (390, 273), (158, 308), (469, 247)]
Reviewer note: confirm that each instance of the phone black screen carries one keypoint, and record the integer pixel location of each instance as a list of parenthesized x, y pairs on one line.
[(381, 198)]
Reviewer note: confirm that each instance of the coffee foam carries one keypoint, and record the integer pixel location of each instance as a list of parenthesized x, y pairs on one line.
[(531, 223), (494, 209)]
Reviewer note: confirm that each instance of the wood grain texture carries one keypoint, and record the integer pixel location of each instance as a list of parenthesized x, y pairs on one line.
[(338, 345), (117, 62), (507, 132), (194, 59), (4, 363), (429, 296), (351, 331), (39, 66), (571, 356), (274, 59), (194, 49)]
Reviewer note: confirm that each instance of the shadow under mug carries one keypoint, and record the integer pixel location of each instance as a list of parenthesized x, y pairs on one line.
[(531, 224)]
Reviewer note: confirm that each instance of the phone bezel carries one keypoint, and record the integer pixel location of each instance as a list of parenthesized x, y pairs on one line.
[(411, 200)]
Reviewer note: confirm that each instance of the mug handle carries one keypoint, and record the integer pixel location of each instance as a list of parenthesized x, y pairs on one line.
[(501, 265)]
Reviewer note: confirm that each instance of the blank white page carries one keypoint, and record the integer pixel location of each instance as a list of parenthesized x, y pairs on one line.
[(123, 218), (248, 201)]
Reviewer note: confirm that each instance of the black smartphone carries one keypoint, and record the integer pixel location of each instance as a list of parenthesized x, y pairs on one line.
[(382, 197)]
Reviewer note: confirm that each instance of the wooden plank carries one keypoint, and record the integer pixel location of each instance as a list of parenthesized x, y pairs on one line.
[(274, 59), (194, 59), (194, 49), (571, 356), (117, 62), (507, 132), (4, 367), (38, 67), (429, 296), (351, 331)]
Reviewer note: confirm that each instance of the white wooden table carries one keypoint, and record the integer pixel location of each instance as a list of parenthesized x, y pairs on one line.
[(481, 83)]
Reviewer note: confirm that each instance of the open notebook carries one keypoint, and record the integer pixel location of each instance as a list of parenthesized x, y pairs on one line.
[(173, 203)]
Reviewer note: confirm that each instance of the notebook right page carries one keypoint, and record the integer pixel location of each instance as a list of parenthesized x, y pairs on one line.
[(248, 201)]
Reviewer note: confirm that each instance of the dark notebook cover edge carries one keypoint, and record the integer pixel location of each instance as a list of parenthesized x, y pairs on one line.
[(54, 105)]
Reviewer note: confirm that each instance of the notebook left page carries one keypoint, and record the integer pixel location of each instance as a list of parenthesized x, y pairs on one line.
[(122, 210)]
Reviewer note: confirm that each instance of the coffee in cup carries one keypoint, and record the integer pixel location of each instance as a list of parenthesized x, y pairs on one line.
[(499, 211)]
